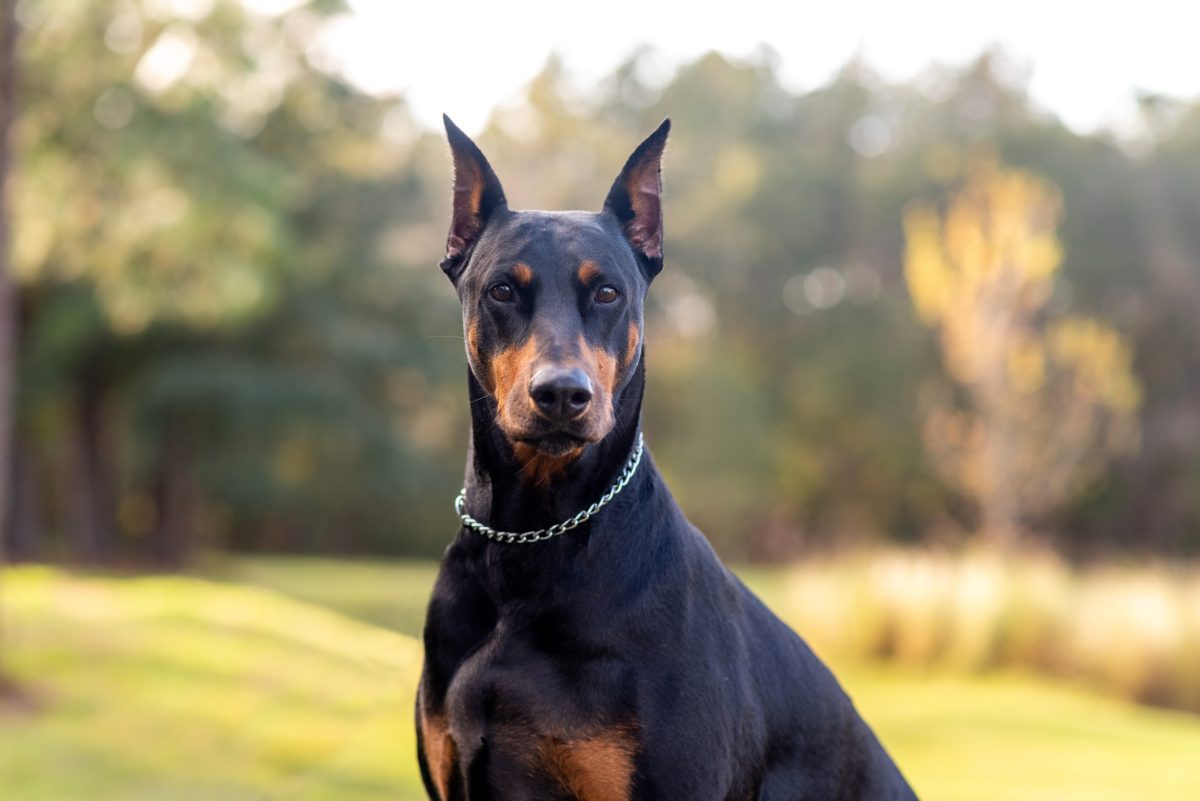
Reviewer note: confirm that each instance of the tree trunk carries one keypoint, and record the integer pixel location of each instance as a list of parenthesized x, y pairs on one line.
[(92, 508), (1001, 507), (25, 525), (994, 400), (8, 93), (176, 499)]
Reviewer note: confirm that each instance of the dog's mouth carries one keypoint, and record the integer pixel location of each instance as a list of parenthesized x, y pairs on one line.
[(554, 443)]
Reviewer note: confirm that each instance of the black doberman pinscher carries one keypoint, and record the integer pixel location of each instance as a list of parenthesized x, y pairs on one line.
[(583, 641)]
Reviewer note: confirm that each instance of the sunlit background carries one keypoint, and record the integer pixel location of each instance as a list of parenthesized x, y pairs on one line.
[(924, 362)]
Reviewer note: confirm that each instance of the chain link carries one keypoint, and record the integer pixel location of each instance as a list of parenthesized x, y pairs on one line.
[(460, 506)]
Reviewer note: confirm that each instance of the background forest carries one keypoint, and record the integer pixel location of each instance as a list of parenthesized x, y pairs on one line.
[(232, 332)]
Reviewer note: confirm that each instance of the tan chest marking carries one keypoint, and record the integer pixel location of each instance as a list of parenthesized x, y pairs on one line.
[(440, 753), (595, 768)]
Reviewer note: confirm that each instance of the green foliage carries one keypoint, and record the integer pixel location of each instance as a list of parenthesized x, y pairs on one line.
[(232, 312)]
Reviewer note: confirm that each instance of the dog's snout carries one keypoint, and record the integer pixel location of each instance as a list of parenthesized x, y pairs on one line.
[(560, 393)]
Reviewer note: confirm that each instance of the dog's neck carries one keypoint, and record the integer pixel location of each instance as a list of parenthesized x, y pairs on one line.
[(505, 497)]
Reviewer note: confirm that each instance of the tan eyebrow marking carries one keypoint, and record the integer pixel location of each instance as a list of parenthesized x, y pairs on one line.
[(523, 273), (587, 271)]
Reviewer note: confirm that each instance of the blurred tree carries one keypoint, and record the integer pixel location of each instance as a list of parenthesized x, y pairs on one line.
[(216, 330), (143, 213), (1046, 400), (8, 91)]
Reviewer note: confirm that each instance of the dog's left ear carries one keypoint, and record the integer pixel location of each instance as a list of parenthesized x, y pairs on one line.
[(477, 195), (636, 199)]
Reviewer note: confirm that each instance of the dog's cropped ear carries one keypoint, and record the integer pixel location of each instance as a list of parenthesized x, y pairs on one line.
[(636, 199), (477, 194)]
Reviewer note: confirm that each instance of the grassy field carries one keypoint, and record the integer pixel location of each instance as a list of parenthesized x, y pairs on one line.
[(293, 679), (174, 688)]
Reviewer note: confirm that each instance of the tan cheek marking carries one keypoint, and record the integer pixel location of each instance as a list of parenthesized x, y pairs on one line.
[(598, 768), (523, 273), (587, 271), (631, 344), (440, 753), (542, 468), (606, 366), (603, 364), (508, 367), (473, 341)]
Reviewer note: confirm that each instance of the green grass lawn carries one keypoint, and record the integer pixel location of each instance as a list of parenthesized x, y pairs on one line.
[(293, 679), (175, 688)]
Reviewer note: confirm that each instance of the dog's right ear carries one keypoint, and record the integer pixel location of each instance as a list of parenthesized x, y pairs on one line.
[(636, 200), (477, 194)]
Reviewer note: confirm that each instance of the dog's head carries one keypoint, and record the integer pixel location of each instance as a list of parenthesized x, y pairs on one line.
[(552, 301)]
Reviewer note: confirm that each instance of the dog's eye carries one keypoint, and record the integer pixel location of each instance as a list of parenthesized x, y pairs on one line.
[(607, 294), (501, 292)]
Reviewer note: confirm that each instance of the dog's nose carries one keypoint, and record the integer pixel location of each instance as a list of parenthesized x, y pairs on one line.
[(560, 393)]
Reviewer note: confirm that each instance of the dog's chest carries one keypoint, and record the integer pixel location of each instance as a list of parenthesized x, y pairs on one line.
[(511, 680), (557, 719)]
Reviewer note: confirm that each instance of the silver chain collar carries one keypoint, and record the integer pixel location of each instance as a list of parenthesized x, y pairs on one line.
[(460, 506)]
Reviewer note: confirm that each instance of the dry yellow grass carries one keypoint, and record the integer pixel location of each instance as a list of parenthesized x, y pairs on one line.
[(1131, 630)]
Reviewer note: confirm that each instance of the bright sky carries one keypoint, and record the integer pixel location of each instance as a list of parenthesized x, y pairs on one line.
[(1086, 59)]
